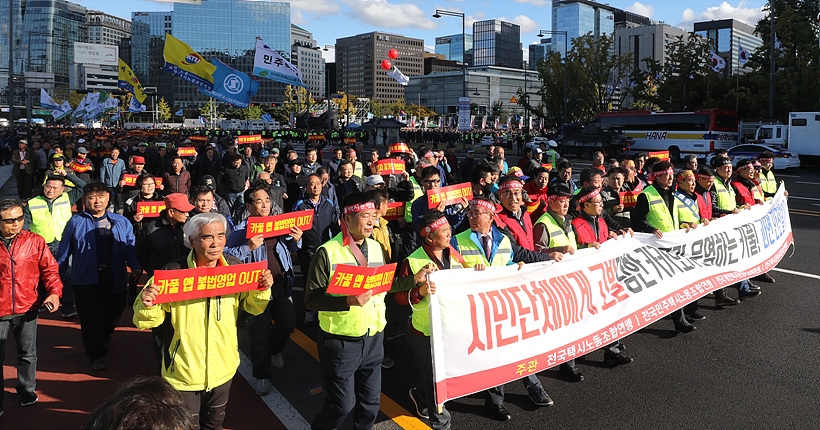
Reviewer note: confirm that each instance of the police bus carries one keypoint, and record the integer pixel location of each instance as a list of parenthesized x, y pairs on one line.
[(680, 133)]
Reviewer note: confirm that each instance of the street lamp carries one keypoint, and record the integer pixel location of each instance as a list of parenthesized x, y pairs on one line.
[(327, 91), (541, 33), (438, 14)]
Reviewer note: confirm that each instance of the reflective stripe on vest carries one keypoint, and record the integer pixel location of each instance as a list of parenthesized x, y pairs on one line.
[(359, 320), (358, 169), (558, 237), (688, 211), (725, 195), (421, 314), (50, 224), (417, 192), (473, 254), (767, 182), (659, 216)]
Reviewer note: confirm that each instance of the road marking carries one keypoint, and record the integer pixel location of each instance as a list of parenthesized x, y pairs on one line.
[(393, 410), (805, 212), (787, 176), (804, 198), (275, 401), (792, 272), (808, 183)]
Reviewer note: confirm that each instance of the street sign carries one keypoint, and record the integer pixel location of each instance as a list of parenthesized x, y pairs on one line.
[(41, 112), (513, 100)]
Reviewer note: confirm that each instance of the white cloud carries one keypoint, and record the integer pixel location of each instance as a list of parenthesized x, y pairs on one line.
[(321, 7), (749, 15), (534, 2), (527, 24), (642, 9), (384, 14)]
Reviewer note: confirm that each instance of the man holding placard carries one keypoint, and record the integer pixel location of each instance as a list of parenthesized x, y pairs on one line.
[(351, 326), (202, 355)]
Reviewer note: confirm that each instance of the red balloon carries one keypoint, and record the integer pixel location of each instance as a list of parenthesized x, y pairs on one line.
[(387, 65), (393, 54)]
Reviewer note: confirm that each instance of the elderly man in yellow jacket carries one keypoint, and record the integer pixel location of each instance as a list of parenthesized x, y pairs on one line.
[(202, 354)]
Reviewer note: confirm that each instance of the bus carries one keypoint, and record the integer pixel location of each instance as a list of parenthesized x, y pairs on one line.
[(681, 133)]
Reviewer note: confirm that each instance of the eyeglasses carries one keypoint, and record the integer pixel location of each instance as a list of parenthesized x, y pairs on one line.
[(476, 214), (12, 220), (596, 202), (431, 182)]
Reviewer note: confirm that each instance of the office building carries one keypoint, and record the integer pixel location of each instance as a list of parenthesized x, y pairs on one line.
[(307, 57), (724, 36), (497, 43), (456, 48), (539, 52), (437, 63), (44, 32), (358, 64), (105, 29), (144, 50), (649, 41), (579, 17)]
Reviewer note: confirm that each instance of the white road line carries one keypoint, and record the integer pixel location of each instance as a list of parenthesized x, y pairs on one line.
[(277, 403), (792, 272), (808, 183), (803, 198), (787, 176)]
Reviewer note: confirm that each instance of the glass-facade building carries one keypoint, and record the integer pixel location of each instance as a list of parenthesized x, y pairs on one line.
[(456, 47), (725, 38), (539, 52), (497, 43), (44, 36), (577, 18)]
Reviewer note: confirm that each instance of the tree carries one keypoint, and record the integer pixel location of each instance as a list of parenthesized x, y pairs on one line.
[(252, 112), (163, 110), (298, 99)]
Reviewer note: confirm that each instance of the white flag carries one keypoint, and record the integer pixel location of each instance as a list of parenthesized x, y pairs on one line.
[(717, 62), (268, 64), (742, 54), (46, 101), (398, 76), (135, 106), (777, 45)]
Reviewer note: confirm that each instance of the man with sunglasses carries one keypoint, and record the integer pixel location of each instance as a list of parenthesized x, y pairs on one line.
[(24, 261)]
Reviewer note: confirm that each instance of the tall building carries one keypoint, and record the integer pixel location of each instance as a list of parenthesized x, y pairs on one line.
[(307, 57), (647, 41), (724, 36), (105, 29), (144, 52), (456, 48), (358, 64), (577, 18), (538, 52), (44, 32), (497, 43)]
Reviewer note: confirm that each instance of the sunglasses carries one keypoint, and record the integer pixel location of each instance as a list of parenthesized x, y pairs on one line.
[(12, 220)]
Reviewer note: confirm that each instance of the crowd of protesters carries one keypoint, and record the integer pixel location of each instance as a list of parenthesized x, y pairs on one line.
[(79, 214)]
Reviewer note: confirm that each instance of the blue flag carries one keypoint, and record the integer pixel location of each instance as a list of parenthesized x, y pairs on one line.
[(179, 112), (266, 117), (231, 86)]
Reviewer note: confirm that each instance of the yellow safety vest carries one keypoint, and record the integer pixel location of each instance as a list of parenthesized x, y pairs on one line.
[(50, 224), (767, 182), (417, 192), (558, 237), (659, 216), (725, 195), (359, 320), (473, 253), (358, 169), (688, 210), (421, 316)]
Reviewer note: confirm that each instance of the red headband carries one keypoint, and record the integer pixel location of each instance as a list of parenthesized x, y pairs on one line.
[(590, 196), (685, 174), (437, 224), (556, 197), (484, 204), (511, 185), (705, 177), (359, 207)]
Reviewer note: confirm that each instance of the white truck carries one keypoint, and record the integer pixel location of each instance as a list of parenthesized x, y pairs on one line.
[(801, 134)]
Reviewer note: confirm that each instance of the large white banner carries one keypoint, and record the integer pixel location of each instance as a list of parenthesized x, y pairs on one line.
[(495, 326), (269, 64), (92, 53)]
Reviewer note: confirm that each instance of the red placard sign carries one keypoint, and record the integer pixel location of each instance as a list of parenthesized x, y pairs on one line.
[(395, 211), (158, 181), (253, 138), (663, 155), (629, 198), (186, 151), (316, 137), (270, 226), (198, 138), (150, 209), (547, 166), (130, 179), (449, 195), (350, 280), (390, 166), (201, 282)]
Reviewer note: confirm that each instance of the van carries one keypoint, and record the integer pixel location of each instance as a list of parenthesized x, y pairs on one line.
[(4, 122)]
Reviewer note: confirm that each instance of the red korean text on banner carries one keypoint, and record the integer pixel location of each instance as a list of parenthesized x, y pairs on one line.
[(186, 151), (201, 282), (350, 280), (316, 137), (270, 226), (629, 198), (158, 181), (395, 211), (663, 155), (198, 138), (390, 166), (350, 140), (130, 179), (150, 209), (245, 140), (449, 195)]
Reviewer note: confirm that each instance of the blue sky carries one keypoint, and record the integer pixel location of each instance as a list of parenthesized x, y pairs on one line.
[(330, 19)]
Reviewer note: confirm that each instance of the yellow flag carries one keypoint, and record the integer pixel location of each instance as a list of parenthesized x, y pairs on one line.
[(128, 80), (186, 63)]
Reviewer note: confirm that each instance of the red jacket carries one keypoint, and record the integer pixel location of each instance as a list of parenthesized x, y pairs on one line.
[(537, 195), (586, 234), (21, 271), (522, 234)]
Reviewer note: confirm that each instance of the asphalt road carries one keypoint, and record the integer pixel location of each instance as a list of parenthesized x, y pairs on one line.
[(750, 366)]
